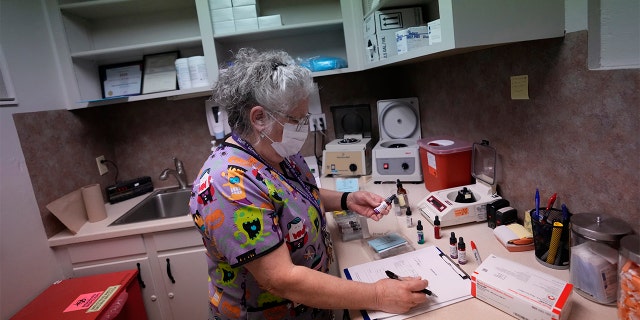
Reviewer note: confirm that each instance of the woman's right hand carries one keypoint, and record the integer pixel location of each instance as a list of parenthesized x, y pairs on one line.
[(398, 297)]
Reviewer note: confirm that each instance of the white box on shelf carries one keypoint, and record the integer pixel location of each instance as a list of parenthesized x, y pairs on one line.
[(412, 38), (219, 4), (250, 24), (223, 27), (369, 25), (521, 291), (435, 32), (224, 14), (237, 3), (269, 21), (245, 12), (371, 47), (387, 22)]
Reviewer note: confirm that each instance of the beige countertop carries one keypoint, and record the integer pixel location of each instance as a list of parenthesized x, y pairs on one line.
[(101, 230), (352, 253)]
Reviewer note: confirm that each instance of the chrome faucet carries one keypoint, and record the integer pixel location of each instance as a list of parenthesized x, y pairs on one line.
[(179, 173)]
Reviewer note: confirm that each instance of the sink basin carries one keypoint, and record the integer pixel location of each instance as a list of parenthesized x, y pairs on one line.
[(160, 204)]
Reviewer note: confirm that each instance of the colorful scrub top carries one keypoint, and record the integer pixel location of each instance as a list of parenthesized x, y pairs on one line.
[(244, 209)]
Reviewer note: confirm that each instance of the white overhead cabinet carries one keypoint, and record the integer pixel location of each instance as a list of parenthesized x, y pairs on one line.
[(95, 33)]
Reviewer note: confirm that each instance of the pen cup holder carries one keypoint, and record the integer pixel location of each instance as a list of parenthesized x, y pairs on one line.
[(551, 235)]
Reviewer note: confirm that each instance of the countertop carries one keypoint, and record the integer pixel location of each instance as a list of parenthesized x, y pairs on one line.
[(352, 253), (101, 230)]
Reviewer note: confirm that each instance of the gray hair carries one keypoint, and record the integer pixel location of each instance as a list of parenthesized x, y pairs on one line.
[(270, 79)]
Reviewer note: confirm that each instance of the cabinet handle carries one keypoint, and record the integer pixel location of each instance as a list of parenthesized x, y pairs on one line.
[(142, 285), (169, 271)]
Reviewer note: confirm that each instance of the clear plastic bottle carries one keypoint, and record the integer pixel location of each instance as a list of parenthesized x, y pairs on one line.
[(409, 218)]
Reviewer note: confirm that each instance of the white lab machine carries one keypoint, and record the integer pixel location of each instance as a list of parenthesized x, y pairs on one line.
[(397, 154), (464, 204)]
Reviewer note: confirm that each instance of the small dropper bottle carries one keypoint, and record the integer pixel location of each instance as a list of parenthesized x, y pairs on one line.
[(462, 252), (403, 201), (436, 228), (409, 218), (420, 232), (384, 204), (453, 246)]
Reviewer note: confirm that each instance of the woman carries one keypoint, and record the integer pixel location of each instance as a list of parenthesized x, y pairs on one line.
[(260, 213)]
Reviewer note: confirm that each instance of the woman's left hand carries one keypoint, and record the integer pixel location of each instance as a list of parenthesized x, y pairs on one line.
[(363, 202)]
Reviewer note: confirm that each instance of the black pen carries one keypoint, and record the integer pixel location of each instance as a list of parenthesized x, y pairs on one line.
[(394, 276)]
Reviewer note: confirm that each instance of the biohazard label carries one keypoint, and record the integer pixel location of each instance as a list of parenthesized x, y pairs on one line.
[(104, 298), (83, 301)]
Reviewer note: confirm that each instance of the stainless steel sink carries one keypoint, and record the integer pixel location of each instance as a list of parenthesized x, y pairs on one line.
[(160, 204)]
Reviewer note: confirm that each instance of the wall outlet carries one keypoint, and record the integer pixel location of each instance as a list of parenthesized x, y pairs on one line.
[(102, 167), (317, 122)]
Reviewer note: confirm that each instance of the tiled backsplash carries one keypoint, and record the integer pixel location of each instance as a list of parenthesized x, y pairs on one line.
[(577, 135)]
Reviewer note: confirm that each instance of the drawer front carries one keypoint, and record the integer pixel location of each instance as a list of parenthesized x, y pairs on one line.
[(106, 249), (175, 239)]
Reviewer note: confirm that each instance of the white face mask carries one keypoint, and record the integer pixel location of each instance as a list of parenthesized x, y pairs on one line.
[(293, 138)]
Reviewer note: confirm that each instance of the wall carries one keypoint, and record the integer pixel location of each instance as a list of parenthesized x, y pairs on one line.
[(27, 264), (577, 135)]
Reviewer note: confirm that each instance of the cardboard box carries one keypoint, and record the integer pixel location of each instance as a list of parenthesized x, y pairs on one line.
[(219, 4), (387, 22), (520, 291), (223, 27), (371, 47), (245, 12), (412, 38), (269, 21), (238, 3), (224, 14), (435, 33), (370, 25), (250, 24)]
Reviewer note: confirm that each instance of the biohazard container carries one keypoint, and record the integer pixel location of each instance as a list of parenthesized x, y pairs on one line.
[(446, 162)]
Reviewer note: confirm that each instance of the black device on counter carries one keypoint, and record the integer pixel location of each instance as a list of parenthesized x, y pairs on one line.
[(506, 215), (129, 189), (492, 209)]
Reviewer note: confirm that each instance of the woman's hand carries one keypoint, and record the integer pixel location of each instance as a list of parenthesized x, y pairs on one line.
[(363, 202), (395, 296)]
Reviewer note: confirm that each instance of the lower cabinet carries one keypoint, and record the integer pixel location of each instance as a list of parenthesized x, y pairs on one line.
[(172, 269), (145, 279)]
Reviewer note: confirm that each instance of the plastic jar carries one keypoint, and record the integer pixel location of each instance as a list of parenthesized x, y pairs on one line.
[(629, 278), (595, 239)]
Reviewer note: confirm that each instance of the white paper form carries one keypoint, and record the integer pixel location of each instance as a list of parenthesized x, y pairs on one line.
[(446, 280)]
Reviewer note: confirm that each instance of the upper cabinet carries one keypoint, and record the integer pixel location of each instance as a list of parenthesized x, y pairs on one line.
[(93, 33), (470, 24)]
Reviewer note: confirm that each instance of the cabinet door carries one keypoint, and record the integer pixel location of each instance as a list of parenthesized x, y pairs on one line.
[(149, 292), (185, 280)]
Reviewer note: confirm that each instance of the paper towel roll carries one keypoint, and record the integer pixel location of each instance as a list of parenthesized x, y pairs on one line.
[(94, 202), (198, 71), (182, 70)]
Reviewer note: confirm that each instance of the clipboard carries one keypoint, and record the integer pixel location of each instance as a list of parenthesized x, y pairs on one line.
[(446, 278)]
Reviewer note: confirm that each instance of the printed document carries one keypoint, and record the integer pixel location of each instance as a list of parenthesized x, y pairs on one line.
[(446, 280)]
